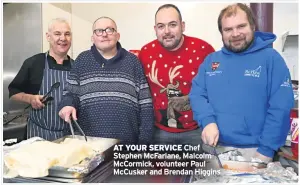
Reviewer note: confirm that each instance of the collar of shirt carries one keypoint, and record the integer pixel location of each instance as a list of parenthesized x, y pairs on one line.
[(111, 63), (66, 66)]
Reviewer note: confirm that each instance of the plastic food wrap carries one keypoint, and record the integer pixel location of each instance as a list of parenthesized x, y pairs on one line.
[(271, 173), (274, 173)]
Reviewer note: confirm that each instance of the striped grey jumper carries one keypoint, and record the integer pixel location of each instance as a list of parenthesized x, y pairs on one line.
[(112, 97)]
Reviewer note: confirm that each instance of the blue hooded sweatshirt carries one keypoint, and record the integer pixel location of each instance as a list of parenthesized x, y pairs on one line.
[(248, 95)]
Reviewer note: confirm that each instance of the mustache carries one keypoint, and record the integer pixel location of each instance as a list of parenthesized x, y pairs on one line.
[(237, 39), (168, 36)]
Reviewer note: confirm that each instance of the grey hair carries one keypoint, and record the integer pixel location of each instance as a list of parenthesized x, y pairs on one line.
[(61, 20)]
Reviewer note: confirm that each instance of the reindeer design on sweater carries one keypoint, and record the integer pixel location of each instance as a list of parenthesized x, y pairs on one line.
[(176, 101)]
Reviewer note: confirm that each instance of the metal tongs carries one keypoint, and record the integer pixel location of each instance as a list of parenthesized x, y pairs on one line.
[(79, 128), (46, 98), (213, 151), (217, 156)]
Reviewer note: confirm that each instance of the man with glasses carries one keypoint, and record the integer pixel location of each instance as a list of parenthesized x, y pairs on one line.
[(35, 78), (170, 62), (107, 90)]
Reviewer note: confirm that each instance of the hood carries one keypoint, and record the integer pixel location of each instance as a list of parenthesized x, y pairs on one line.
[(261, 40), (114, 59)]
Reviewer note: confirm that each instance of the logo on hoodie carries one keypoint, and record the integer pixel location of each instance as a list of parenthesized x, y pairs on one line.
[(215, 65), (286, 83), (253, 73)]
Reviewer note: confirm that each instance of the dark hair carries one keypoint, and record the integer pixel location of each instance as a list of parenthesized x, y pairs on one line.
[(104, 17), (232, 9), (169, 6)]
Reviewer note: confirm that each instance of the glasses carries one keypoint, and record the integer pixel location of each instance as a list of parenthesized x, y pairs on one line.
[(108, 31)]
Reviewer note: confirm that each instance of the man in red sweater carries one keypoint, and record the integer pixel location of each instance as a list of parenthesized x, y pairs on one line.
[(170, 63)]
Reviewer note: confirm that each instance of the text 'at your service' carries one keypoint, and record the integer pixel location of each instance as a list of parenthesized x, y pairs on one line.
[(157, 148)]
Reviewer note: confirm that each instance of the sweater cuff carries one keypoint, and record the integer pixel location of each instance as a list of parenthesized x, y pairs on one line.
[(68, 101), (266, 151), (207, 120)]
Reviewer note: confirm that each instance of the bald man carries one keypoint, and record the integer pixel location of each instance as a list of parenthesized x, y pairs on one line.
[(36, 77), (107, 90)]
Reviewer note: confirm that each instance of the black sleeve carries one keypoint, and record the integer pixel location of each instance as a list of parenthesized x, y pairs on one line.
[(29, 77), (21, 80)]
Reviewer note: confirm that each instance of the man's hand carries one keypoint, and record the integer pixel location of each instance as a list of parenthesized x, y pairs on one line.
[(66, 112), (210, 134), (35, 101), (261, 157)]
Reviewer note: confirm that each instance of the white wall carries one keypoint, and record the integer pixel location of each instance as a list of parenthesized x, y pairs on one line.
[(136, 20), (286, 18), (51, 11), (290, 54)]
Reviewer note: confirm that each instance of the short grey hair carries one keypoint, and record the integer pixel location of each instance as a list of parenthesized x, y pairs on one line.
[(53, 21)]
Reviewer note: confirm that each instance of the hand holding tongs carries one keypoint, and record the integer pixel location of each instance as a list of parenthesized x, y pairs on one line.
[(79, 128)]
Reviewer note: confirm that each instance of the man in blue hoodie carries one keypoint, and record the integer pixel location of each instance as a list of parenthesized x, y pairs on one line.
[(243, 94)]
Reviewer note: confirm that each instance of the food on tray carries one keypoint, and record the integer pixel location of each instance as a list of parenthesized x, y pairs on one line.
[(99, 145), (73, 151), (234, 160), (225, 166), (238, 168), (34, 160)]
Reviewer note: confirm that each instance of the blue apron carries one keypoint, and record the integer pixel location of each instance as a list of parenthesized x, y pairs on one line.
[(45, 122)]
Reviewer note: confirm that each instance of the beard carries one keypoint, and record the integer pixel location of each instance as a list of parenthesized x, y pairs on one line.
[(246, 44), (170, 47)]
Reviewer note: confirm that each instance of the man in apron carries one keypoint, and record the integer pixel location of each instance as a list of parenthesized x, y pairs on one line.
[(35, 78)]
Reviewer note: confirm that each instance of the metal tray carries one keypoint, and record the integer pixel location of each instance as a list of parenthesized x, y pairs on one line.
[(87, 165), (77, 171)]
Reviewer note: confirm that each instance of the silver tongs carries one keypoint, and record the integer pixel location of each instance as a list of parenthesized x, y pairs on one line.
[(213, 151), (217, 156), (79, 128)]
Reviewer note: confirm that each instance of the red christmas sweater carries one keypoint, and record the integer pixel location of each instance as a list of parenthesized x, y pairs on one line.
[(169, 74)]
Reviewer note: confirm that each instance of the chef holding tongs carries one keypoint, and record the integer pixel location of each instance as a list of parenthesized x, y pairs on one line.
[(40, 83)]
